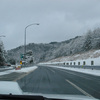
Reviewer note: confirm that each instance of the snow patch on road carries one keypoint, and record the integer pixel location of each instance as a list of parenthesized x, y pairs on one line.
[(26, 69)]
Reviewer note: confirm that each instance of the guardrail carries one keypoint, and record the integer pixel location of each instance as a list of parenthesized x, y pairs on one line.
[(77, 64)]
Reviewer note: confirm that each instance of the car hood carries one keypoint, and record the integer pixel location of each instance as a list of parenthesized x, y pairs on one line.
[(63, 96), (9, 87)]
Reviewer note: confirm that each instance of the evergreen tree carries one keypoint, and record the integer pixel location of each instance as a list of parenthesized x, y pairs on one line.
[(2, 59), (87, 44)]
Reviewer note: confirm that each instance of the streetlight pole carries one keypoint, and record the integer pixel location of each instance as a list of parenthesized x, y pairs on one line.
[(25, 39)]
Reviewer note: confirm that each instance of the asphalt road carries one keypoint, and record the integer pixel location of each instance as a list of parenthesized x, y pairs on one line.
[(50, 80)]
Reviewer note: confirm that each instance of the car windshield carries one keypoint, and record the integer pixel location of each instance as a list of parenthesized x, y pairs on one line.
[(50, 48)]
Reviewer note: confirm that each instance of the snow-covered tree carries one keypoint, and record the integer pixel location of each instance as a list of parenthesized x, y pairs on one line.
[(88, 41), (2, 58)]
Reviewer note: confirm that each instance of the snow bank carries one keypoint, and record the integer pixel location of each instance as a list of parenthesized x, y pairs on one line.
[(86, 71), (26, 69)]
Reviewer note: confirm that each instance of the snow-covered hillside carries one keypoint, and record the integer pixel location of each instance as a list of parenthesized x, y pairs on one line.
[(79, 45)]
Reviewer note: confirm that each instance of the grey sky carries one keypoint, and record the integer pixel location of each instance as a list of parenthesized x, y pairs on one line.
[(59, 20)]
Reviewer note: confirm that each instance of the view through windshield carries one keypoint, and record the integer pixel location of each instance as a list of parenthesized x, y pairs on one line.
[(50, 48)]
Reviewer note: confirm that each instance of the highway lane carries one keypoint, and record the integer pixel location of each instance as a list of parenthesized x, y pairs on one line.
[(49, 80), (88, 83)]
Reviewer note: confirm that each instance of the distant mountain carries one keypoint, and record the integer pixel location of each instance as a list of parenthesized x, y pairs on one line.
[(45, 52)]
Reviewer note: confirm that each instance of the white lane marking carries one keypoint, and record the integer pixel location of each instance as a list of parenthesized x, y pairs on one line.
[(78, 88)]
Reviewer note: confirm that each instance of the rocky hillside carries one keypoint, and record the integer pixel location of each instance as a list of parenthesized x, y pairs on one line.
[(45, 52)]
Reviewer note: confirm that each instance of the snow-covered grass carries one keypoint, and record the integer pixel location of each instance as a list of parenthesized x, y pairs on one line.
[(86, 71), (26, 69)]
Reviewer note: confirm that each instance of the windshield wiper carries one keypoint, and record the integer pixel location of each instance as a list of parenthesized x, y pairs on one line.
[(24, 97), (20, 97)]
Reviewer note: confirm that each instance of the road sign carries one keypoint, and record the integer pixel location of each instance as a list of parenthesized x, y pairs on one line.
[(21, 55), (21, 62)]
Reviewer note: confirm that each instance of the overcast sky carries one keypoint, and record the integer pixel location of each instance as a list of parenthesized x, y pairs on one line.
[(59, 20)]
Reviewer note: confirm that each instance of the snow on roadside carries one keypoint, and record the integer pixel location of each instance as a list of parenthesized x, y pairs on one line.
[(86, 71), (26, 69)]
